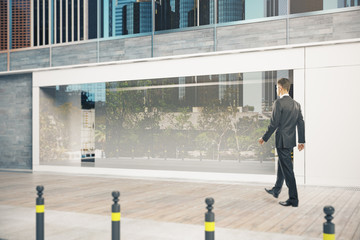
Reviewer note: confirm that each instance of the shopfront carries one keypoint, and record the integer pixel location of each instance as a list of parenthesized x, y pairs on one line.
[(185, 117)]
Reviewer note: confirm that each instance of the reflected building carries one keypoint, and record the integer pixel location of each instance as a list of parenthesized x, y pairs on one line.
[(19, 29), (230, 10), (136, 17), (119, 17), (185, 7), (3, 25), (206, 14), (167, 14), (20, 20)]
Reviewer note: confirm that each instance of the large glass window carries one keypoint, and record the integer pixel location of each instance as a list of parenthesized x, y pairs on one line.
[(193, 123)]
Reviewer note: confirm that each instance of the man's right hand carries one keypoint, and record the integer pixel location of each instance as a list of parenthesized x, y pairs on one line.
[(261, 141), (301, 146)]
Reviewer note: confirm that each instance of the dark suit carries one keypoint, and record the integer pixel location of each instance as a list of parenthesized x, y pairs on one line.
[(286, 116)]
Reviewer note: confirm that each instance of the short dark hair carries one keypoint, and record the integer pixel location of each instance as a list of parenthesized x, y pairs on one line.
[(284, 83)]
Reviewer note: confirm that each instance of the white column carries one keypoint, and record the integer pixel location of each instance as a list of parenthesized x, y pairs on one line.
[(55, 22), (32, 23), (86, 20), (78, 20), (50, 20), (60, 19), (36, 128), (72, 20), (299, 96), (66, 20), (198, 12), (38, 22), (43, 17)]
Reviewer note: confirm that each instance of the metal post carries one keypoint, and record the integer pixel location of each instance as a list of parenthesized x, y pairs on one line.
[(209, 220), (115, 217), (40, 213), (329, 227)]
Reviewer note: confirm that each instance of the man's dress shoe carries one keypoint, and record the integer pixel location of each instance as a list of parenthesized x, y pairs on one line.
[(288, 203), (271, 192)]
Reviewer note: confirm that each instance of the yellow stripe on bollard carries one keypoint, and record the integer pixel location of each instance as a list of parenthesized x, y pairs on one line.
[(40, 208), (115, 217), (329, 236), (209, 226)]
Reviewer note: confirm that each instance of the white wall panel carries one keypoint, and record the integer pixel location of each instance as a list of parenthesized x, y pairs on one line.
[(299, 96), (279, 59), (36, 126), (333, 126), (333, 55)]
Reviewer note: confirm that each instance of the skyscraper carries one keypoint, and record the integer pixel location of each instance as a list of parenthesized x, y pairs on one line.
[(185, 7), (136, 17), (167, 14), (15, 24), (62, 21), (20, 20), (3, 25), (230, 10)]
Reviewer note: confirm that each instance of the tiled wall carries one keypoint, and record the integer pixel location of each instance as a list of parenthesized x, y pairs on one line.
[(16, 121), (30, 59), (3, 62), (124, 49)]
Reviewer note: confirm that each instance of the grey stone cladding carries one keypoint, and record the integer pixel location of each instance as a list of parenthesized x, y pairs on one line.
[(16, 121), (73, 54), (325, 27), (30, 59), (3, 62), (184, 42), (125, 48), (251, 35)]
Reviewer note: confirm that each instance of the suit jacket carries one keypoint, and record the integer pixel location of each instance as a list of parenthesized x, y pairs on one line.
[(286, 116)]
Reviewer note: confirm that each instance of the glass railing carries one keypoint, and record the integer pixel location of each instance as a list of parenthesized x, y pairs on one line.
[(62, 21)]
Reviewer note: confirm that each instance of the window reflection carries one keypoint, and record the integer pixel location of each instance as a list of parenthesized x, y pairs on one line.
[(77, 20), (162, 123), (230, 10)]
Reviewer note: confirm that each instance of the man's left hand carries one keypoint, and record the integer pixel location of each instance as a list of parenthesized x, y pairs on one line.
[(301, 146)]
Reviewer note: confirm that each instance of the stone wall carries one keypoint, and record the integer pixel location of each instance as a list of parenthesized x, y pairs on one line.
[(73, 54), (125, 48), (251, 35), (325, 27), (3, 62), (30, 59), (16, 121), (184, 42)]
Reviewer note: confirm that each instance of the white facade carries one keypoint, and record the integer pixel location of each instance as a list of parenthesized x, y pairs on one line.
[(326, 80)]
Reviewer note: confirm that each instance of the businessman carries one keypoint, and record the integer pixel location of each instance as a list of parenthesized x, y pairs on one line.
[(286, 116)]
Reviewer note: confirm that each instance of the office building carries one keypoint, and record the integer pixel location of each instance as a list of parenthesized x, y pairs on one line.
[(196, 88)]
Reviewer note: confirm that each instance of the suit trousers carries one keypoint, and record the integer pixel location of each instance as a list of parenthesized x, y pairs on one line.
[(286, 172)]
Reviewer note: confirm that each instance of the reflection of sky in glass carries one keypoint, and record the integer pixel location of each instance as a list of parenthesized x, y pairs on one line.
[(254, 9)]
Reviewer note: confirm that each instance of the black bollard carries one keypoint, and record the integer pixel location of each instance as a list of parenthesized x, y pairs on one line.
[(329, 227), (40, 208), (209, 220), (115, 217)]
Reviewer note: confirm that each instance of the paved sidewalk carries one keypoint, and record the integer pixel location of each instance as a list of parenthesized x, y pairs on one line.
[(78, 207), (18, 223)]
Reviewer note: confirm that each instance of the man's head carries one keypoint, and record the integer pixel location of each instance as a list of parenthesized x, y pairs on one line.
[(283, 86)]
